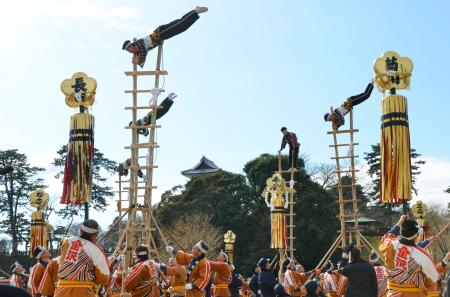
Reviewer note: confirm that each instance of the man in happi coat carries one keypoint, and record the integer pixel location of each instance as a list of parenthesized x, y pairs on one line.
[(177, 277), (19, 278), (410, 269), (245, 289), (198, 268), (142, 46), (142, 281), (380, 271), (50, 278), (331, 280), (37, 271), (222, 275), (83, 264), (294, 278)]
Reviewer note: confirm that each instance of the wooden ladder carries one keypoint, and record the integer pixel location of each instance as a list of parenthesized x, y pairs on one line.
[(140, 192), (341, 171)]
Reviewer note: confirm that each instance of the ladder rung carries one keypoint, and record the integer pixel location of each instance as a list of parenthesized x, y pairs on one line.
[(346, 216), (154, 107), (121, 191), (152, 72), (344, 157), (143, 127), (127, 181), (347, 201), (342, 131), (343, 144), (346, 171), (143, 167), (142, 145), (141, 188), (137, 91)]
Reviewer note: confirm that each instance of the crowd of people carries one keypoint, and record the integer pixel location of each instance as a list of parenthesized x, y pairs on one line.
[(83, 270)]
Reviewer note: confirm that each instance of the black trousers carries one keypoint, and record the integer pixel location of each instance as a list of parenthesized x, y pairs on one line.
[(165, 104), (176, 27), (293, 157), (357, 99)]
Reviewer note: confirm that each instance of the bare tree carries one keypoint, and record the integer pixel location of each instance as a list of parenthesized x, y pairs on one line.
[(323, 174), (437, 217), (193, 227)]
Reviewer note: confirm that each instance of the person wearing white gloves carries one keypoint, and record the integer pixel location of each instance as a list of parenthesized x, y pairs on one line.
[(198, 268)]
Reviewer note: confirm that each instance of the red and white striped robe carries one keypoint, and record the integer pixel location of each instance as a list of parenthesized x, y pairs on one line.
[(48, 283), (410, 269), (331, 281), (142, 281), (16, 281), (293, 282), (380, 271), (83, 265), (36, 278)]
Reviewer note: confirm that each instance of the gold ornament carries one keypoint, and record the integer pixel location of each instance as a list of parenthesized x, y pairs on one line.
[(278, 192), (419, 210), (229, 238), (79, 90), (392, 71), (38, 198)]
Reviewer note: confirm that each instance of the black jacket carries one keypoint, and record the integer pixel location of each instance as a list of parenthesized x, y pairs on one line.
[(235, 285), (267, 282), (362, 279), (253, 284)]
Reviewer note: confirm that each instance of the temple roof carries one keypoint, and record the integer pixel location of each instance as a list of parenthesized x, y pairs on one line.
[(205, 166)]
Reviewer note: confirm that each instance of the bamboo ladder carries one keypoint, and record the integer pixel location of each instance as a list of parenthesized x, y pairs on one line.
[(289, 252), (140, 193)]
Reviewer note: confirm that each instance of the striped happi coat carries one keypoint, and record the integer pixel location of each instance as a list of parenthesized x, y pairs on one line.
[(381, 279), (50, 279), (83, 266), (293, 282), (410, 269), (222, 278), (142, 281), (36, 278)]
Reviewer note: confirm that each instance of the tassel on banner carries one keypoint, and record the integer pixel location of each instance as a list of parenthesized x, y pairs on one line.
[(77, 185), (395, 149), (38, 230)]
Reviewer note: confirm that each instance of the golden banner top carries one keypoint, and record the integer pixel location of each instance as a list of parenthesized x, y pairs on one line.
[(392, 71), (229, 237), (79, 90), (38, 199)]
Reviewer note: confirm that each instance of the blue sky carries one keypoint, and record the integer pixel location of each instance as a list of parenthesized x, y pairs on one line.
[(245, 69)]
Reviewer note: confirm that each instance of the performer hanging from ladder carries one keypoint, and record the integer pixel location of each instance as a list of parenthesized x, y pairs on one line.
[(337, 117), (291, 139), (123, 167), (142, 46), (162, 109), (198, 271), (142, 281)]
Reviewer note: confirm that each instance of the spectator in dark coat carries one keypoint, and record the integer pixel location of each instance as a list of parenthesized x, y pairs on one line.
[(280, 291), (266, 279), (312, 289), (9, 291), (236, 283), (253, 284), (362, 279)]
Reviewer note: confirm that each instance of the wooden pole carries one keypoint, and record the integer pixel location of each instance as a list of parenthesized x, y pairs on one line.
[(112, 227), (8, 275), (180, 246)]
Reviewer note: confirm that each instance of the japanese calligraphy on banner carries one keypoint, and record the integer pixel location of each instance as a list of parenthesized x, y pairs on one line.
[(79, 90), (393, 71)]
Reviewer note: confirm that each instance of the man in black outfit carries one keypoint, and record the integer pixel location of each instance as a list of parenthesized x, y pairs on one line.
[(253, 284), (291, 139), (362, 279), (142, 46), (337, 117), (266, 279)]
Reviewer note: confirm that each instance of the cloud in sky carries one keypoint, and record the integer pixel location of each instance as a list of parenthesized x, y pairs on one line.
[(433, 180)]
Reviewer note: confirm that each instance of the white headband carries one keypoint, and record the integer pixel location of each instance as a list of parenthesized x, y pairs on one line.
[(15, 266), (142, 253), (199, 246), (419, 231), (88, 230), (38, 256)]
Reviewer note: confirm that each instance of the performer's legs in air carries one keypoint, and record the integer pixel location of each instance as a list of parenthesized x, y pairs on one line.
[(176, 27)]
